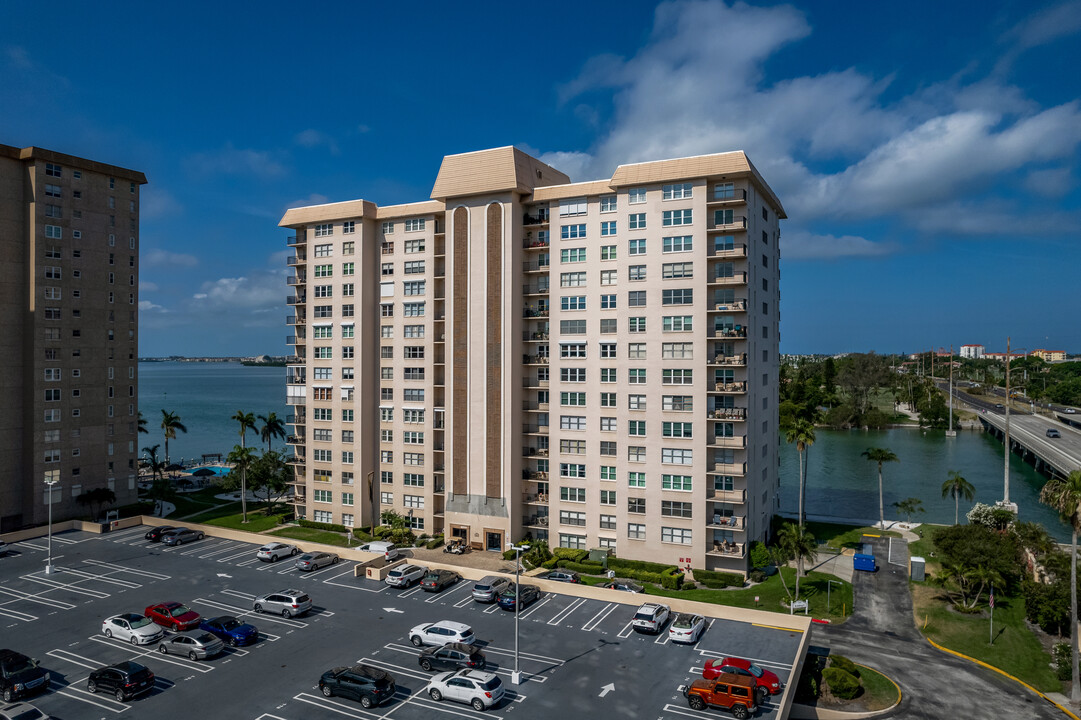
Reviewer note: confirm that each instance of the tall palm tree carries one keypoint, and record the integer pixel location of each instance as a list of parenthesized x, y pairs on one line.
[(801, 432), (1065, 496), (142, 423), (242, 458), (798, 544), (880, 455), (247, 422), (170, 423), (959, 488), (157, 467), (273, 427)]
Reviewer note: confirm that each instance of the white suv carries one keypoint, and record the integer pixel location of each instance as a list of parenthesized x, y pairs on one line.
[(441, 633), (405, 575), (650, 618)]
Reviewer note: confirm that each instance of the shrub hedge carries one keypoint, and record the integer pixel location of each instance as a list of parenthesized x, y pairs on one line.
[(718, 580), (435, 542), (332, 527), (840, 661), (842, 684)]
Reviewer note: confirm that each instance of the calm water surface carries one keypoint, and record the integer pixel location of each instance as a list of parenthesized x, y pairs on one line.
[(205, 396), (843, 485)]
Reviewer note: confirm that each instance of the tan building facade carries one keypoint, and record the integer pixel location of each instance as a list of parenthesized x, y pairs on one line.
[(594, 364), (69, 270)]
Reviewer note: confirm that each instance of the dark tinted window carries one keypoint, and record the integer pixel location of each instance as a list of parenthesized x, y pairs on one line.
[(492, 684)]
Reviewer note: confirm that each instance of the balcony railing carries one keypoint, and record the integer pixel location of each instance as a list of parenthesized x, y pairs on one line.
[(292, 240), (735, 360), (530, 311), (295, 379), (535, 359), (296, 340), (726, 522), (732, 413), (534, 452), (295, 319), (726, 441), (729, 251), (296, 400), (737, 223), (534, 266), (730, 332), (738, 497), (531, 405), (734, 306), (535, 289), (296, 299), (294, 439), (528, 336), (738, 195), (739, 278), (297, 419), (296, 280), (296, 260), (727, 549), (535, 429), (534, 383), (732, 387), (535, 521), (536, 243), (730, 468), (534, 498), (540, 218)]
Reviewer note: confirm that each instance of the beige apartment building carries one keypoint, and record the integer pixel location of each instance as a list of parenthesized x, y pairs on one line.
[(594, 364), (69, 315)]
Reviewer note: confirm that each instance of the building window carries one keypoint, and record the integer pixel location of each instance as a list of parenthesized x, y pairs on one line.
[(637, 221), (570, 517), (576, 542), (413, 309), (567, 494), (678, 403), (724, 191), (608, 447), (415, 287), (608, 375), (608, 228), (323, 496), (636, 453), (349, 227), (676, 429), (324, 271), (677, 270), (572, 327), (608, 277), (677, 456), (637, 247), (324, 230), (636, 272), (608, 252), (572, 350), (609, 326), (572, 375), (636, 196), (678, 243), (54, 232), (678, 191), (672, 218), (681, 483), (388, 228), (323, 516), (572, 399), (636, 428), (572, 255), (53, 170), (572, 302), (636, 324), (677, 323), (636, 506), (414, 267), (572, 232), (681, 536), (572, 279), (414, 246), (414, 225)]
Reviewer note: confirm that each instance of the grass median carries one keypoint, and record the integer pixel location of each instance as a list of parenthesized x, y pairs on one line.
[(325, 537)]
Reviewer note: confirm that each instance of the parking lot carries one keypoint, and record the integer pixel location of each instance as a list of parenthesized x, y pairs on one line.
[(576, 654)]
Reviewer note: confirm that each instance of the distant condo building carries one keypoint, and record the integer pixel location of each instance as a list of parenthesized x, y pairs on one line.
[(972, 352), (69, 239), (593, 364)]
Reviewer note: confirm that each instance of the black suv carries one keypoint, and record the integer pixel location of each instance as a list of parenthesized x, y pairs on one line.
[(452, 656), (154, 534), (20, 676), (124, 679), (368, 685)]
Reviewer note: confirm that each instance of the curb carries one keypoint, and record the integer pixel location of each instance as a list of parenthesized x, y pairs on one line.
[(1004, 674)]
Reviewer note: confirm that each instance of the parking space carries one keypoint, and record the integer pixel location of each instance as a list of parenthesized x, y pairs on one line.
[(573, 652)]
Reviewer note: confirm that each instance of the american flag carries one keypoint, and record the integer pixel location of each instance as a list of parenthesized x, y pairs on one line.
[(991, 599)]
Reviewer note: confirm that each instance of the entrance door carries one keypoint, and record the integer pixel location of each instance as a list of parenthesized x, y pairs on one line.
[(460, 532), (494, 541)]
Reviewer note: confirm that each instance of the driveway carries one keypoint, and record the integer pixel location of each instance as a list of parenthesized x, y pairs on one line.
[(882, 634)]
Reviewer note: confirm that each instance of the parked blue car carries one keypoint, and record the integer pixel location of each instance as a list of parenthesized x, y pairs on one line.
[(230, 631), (527, 593)]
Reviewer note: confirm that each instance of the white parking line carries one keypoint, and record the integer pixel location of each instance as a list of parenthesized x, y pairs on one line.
[(152, 651), (239, 612), (524, 655), (565, 612), (36, 598), (536, 607), (662, 638), (334, 706), (423, 700), (101, 578), (204, 546), (447, 592), (218, 552), (415, 673), (121, 536), (32, 546), (594, 621), (416, 589), (65, 586), (252, 561), (626, 631), (687, 711), (16, 615), (227, 558), (82, 661), (237, 593), (320, 571), (489, 610), (65, 541), (464, 601), (85, 696), (133, 571)]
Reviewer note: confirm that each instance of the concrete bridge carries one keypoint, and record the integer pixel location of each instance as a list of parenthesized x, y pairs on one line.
[(1054, 457)]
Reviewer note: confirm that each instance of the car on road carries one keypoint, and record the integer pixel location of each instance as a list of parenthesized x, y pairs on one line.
[(21, 711), (733, 692), (230, 631), (442, 632), (124, 679), (195, 645), (686, 628), (651, 618), (405, 575), (367, 685), (1071, 411), (20, 676), (387, 549), (154, 534), (487, 589), (133, 628), (452, 656), (623, 586), (173, 616), (315, 560), (179, 536), (566, 576), (437, 580), (482, 690), (286, 603), (1053, 433), (999, 406), (525, 594), (765, 681), (273, 552)]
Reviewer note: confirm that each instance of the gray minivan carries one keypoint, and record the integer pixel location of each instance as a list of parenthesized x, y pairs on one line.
[(488, 588)]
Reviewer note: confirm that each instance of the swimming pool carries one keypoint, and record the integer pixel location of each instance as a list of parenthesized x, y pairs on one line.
[(216, 469)]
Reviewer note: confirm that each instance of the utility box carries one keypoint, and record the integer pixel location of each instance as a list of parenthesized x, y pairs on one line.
[(864, 561), (916, 569)]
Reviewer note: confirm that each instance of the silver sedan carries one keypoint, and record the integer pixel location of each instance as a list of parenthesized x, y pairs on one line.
[(315, 560), (133, 628), (196, 645)]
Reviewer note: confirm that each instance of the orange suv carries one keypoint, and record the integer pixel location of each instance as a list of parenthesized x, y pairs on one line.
[(727, 690)]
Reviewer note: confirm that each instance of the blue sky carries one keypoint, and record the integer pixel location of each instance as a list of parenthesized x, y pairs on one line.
[(926, 153)]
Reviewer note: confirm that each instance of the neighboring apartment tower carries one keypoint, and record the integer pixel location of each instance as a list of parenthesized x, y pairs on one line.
[(972, 352), (69, 238), (594, 364)]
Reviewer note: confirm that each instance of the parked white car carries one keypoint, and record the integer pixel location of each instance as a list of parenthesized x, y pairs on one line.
[(272, 552), (442, 632), (133, 628), (650, 618), (381, 546), (405, 575), (482, 690), (686, 628)]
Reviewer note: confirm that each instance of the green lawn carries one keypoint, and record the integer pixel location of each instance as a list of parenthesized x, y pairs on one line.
[(770, 594), (258, 521), (312, 535), (879, 692), (185, 506), (224, 511), (840, 537)]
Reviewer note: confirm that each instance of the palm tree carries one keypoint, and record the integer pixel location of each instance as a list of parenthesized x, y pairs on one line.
[(273, 427), (247, 422), (880, 455), (242, 458), (909, 507), (1065, 496), (142, 423), (157, 467), (801, 432), (799, 545), (959, 488), (170, 423)]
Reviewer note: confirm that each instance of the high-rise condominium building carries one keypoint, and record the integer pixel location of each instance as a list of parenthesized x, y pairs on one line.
[(590, 363), (69, 316)]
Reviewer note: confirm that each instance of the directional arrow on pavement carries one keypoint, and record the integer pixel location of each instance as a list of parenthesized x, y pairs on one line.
[(393, 610), (224, 575), (607, 689)]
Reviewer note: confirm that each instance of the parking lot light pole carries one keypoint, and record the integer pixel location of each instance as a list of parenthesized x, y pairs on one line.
[(49, 562), (516, 676)]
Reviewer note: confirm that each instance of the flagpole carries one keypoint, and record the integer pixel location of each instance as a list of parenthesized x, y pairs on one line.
[(991, 639)]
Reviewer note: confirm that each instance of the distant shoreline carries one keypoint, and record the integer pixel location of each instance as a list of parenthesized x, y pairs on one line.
[(271, 361)]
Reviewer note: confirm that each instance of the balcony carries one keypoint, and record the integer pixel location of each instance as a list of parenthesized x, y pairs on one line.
[(737, 223), (294, 439), (535, 429), (528, 336), (732, 388), (530, 266), (738, 195), (734, 469), (728, 333), (541, 218), (295, 379), (534, 289), (738, 497), (534, 311), (295, 319), (532, 452), (437, 467), (532, 383), (732, 413), (726, 522), (734, 306), (722, 441), (535, 475), (739, 278), (296, 340), (535, 498), (533, 405), (296, 260), (292, 240), (537, 521), (296, 280), (727, 550), (535, 360), (729, 251), (535, 243), (296, 400), (730, 360), (296, 299), (298, 419)]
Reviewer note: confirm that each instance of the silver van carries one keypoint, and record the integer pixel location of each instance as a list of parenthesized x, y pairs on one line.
[(487, 589)]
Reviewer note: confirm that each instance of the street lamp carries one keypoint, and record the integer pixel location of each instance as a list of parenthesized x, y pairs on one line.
[(516, 676), (49, 562)]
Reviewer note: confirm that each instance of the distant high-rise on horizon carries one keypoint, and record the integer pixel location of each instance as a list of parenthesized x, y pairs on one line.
[(593, 364), (69, 316)]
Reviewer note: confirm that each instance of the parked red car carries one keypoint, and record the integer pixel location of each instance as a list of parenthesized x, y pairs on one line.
[(174, 616), (766, 682)]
